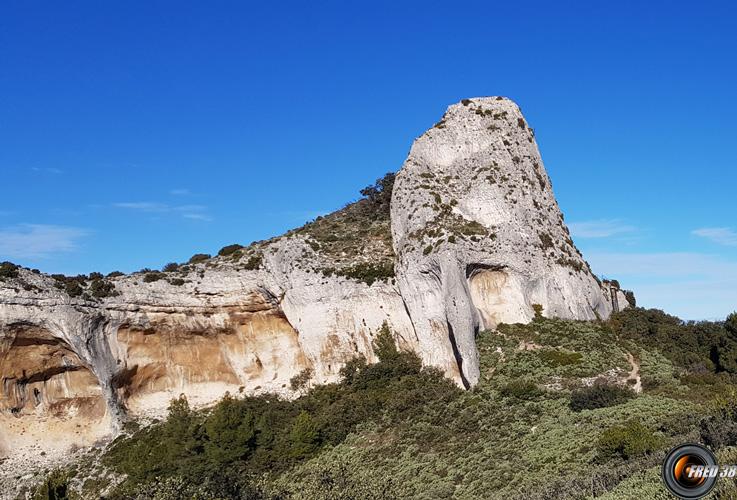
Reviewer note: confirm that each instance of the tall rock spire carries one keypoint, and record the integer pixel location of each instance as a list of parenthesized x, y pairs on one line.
[(479, 237)]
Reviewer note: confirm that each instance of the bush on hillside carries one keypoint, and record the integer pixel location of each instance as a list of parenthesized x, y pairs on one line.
[(151, 277), (368, 273), (599, 396), (229, 250), (170, 267), (100, 288), (72, 285), (628, 441), (380, 193), (8, 270), (521, 389), (253, 263), (199, 257), (54, 487), (720, 429)]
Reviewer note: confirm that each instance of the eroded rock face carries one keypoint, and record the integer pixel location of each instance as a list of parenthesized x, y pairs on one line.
[(479, 235), (476, 238)]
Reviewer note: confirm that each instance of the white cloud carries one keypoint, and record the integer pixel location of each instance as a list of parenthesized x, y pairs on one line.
[(180, 192), (603, 228), (38, 240), (196, 212), (689, 285), (720, 235)]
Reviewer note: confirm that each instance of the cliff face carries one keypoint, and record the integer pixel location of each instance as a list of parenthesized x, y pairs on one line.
[(474, 237)]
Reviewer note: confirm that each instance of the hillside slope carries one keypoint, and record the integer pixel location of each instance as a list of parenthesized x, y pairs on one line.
[(556, 414)]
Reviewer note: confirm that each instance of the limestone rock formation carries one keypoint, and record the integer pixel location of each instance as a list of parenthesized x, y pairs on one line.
[(472, 236), (479, 235)]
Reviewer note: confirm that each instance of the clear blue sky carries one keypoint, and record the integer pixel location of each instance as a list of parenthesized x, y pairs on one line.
[(137, 133)]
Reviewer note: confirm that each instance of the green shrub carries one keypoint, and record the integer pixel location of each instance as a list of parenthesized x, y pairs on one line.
[(521, 389), (95, 276), (72, 285), (100, 288), (628, 441), (368, 272), (538, 309), (599, 396), (720, 429), (730, 324), (304, 436), (73, 288), (170, 267), (115, 274), (556, 358), (54, 487), (253, 262), (176, 281), (223, 484), (8, 270), (199, 257), (229, 250), (230, 432), (301, 379), (151, 277)]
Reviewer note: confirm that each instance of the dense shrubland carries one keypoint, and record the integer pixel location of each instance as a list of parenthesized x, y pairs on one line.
[(552, 417)]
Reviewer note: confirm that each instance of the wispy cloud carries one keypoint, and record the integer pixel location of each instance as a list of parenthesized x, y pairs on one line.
[(690, 285), (192, 212), (603, 228), (38, 240), (201, 217), (144, 206), (50, 170), (180, 192), (719, 235)]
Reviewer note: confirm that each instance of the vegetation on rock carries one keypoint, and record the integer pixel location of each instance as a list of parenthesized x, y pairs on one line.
[(229, 250), (357, 239), (8, 270), (199, 257)]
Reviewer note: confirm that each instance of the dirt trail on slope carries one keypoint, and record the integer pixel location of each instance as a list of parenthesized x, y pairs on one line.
[(634, 373)]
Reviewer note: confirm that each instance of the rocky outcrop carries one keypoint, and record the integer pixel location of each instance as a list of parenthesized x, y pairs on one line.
[(472, 237), (479, 235)]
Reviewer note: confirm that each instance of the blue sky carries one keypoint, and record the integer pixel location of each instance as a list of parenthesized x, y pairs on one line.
[(137, 133)]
